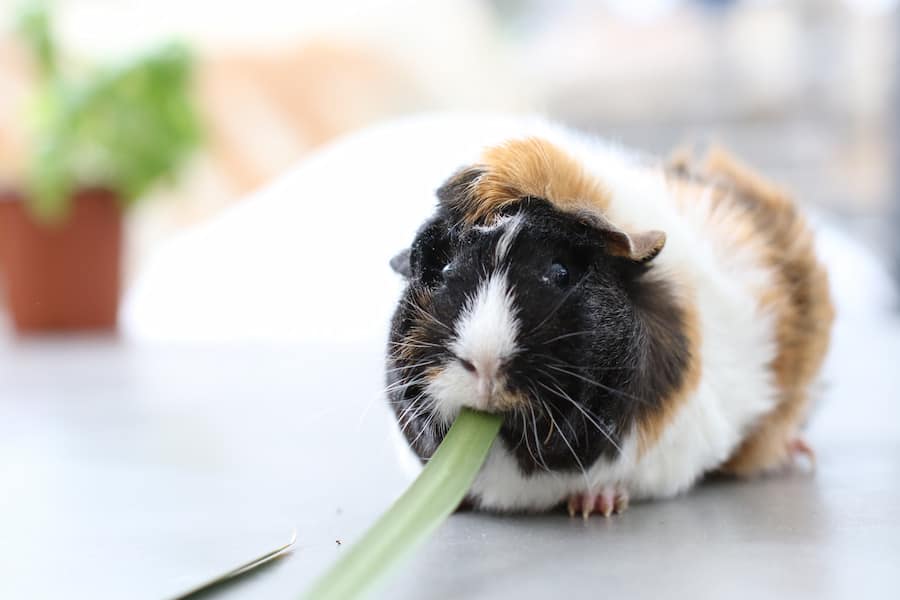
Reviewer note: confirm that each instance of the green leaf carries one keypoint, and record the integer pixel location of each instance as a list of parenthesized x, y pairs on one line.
[(126, 127), (431, 498), (34, 26)]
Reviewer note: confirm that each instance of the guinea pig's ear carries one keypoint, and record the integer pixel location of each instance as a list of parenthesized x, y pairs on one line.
[(640, 247), (400, 264)]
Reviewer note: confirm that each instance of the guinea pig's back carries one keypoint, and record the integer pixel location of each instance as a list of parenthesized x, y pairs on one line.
[(795, 293)]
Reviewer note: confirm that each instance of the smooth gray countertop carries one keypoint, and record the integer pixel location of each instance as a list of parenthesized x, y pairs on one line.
[(137, 470)]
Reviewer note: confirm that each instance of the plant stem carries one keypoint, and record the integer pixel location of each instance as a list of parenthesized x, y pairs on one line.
[(431, 498)]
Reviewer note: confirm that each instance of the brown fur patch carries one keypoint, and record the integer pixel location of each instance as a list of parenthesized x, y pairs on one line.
[(507, 400), (652, 425), (763, 216), (409, 349), (530, 167)]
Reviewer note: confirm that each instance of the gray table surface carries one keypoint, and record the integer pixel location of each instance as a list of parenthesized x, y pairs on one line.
[(136, 470)]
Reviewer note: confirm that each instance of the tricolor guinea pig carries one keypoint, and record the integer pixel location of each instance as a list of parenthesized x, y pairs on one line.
[(636, 323)]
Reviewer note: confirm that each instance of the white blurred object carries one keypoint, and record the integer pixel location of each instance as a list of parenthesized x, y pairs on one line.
[(306, 259)]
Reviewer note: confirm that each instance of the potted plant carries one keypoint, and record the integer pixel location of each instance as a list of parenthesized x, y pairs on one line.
[(99, 142)]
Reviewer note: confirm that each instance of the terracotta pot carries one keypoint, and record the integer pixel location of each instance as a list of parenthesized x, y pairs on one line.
[(65, 276)]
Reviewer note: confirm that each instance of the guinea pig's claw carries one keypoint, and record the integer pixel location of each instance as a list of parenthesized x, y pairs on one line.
[(605, 503), (589, 504), (612, 500), (583, 504)]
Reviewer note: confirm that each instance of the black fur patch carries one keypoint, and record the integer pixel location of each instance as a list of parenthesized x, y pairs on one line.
[(597, 354), (456, 192)]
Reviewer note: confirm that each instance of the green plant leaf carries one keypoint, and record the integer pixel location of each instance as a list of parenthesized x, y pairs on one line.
[(126, 127), (431, 498), (34, 26)]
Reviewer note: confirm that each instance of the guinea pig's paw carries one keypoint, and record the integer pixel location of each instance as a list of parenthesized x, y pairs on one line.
[(798, 447), (609, 500)]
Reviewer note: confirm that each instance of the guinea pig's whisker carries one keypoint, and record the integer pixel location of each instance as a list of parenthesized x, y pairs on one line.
[(602, 386), (415, 409), (527, 435), (552, 426), (549, 376), (586, 411), (413, 366), (523, 439), (403, 385), (428, 315), (408, 381), (414, 416), (566, 442), (537, 439), (553, 311), (587, 414), (399, 386), (410, 339), (409, 409), (555, 361), (566, 421), (408, 344), (415, 345), (567, 335), (428, 423)]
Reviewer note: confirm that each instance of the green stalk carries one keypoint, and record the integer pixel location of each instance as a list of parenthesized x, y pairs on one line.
[(431, 498)]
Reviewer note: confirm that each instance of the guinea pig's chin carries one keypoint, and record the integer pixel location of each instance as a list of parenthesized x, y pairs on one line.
[(454, 388)]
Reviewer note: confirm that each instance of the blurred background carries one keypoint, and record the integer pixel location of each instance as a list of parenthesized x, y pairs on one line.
[(804, 90)]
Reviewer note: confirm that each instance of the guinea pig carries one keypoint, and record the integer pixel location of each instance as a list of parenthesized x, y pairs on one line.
[(637, 323)]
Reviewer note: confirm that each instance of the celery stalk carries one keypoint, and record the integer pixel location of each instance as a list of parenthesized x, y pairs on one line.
[(431, 498)]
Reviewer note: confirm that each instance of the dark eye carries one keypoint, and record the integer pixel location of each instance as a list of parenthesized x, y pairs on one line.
[(557, 274), (448, 270)]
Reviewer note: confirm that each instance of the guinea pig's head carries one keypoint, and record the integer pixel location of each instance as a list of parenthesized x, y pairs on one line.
[(532, 312)]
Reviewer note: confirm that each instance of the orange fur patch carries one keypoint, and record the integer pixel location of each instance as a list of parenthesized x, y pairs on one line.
[(532, 167)]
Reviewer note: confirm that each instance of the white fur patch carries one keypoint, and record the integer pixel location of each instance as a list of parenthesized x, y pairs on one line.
[(486, 333), (511, 229), (487, 329)]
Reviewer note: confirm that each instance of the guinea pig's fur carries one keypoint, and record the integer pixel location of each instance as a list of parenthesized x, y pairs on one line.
[(638, 324)]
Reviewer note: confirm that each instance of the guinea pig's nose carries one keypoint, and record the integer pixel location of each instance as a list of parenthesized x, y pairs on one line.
[(486, 383), (486, 373)]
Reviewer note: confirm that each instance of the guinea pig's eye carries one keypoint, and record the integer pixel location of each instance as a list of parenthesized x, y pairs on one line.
[(557, 274), (448, 270)]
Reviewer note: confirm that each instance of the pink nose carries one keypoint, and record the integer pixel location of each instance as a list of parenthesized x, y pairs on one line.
[(485, 372)]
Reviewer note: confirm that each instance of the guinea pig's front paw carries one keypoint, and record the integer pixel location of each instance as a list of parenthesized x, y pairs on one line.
[(611, 499)]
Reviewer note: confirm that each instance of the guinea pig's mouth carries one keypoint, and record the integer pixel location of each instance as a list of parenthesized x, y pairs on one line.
[(477, 385)]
